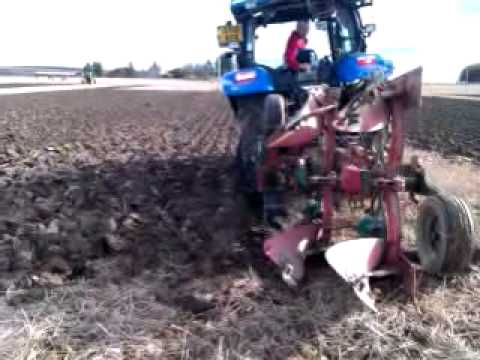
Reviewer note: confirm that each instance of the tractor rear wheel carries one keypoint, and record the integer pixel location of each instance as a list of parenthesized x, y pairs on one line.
[(445, 230), (249, 114), (275, 113), (259, 116)]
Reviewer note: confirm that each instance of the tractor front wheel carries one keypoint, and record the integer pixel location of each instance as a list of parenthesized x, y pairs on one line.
[(445, 230)]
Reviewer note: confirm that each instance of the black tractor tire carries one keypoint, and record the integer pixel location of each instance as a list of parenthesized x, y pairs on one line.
[(258, 117), (249, 115), (275, 113), (445, 231)]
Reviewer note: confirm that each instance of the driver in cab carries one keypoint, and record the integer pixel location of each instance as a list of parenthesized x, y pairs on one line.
[(297, 40)]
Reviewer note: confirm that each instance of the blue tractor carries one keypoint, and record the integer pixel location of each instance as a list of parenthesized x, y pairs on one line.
[(265, 98)]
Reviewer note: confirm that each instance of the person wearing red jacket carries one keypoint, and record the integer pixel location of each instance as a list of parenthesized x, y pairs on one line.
[(297, 40)]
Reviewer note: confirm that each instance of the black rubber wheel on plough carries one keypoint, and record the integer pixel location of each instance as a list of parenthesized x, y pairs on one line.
[(445, 230)]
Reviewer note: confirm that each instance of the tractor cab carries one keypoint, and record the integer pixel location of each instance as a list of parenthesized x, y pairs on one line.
[(346, 63)]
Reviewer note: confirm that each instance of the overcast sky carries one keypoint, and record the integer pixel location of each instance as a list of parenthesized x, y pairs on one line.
[(441, 35)]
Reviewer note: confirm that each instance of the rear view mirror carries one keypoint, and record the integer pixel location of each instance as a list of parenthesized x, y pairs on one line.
[(227, 62), (369, 29)]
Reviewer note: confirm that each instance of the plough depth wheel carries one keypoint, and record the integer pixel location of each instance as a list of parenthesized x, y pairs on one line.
[(444, 234)]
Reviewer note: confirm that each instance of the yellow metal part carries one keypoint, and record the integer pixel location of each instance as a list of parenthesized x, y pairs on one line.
[(229, 34)]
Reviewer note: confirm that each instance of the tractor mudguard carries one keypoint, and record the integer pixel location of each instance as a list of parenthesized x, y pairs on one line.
[(358, 66), (248, 81)]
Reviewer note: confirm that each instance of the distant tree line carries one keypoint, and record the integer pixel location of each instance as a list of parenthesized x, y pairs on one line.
[(126, 72), (471, 74), (194, 71), (189, 71), (129, 71)]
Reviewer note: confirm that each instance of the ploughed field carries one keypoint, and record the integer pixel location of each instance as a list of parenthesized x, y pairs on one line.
[(121, 237), (450, 125)]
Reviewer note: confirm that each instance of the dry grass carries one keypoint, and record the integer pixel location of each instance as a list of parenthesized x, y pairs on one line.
[(457, 175), (126, 322)]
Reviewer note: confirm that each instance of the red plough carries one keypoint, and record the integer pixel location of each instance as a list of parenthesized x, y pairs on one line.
[(353, 152)]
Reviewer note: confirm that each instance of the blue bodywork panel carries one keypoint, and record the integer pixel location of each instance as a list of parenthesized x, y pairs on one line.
[(240, 6), (358, 66), (349, 68), (248, 81), (279, 11)]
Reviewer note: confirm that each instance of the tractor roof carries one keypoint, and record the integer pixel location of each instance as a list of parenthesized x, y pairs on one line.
[(281, 11)]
